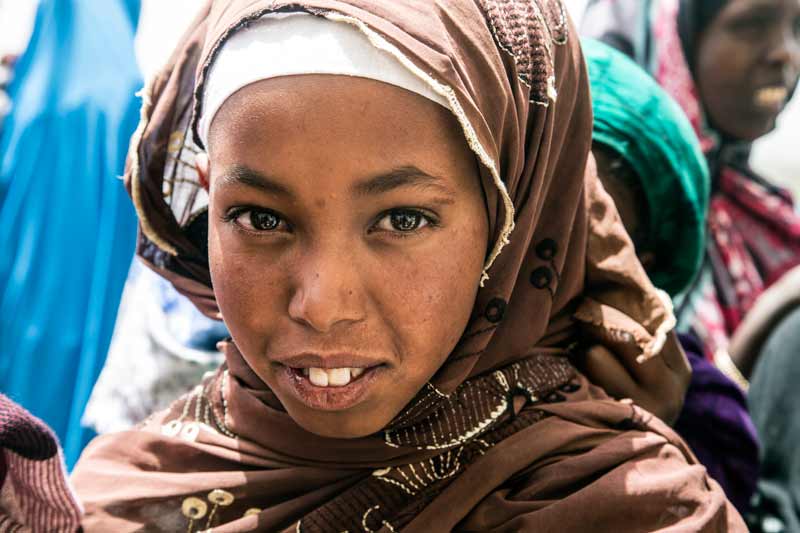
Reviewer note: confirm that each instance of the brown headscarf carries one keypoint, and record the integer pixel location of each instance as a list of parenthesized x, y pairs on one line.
[(507, 435)]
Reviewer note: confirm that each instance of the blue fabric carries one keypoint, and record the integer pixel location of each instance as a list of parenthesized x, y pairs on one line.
[(67, 228)]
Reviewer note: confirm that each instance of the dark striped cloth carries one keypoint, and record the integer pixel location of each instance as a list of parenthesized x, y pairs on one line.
[(35, 494)]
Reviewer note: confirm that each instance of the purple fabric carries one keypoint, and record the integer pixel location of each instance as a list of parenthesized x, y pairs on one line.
[(717, 426)]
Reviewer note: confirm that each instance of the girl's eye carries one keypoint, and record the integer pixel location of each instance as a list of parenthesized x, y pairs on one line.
[(402, 221), (258, 220)]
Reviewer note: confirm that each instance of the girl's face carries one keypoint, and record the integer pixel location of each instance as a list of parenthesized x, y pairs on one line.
[(748, 63), (347, 236)]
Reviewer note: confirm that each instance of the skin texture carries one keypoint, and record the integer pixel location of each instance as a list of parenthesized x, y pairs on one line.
[(659, 384), (305, 255), (750, 45)]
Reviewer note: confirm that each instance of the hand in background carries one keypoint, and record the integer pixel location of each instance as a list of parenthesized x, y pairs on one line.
[(658, 385)]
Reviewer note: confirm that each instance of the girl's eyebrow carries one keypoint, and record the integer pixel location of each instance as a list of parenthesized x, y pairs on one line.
[(407, 176), (243, 175)]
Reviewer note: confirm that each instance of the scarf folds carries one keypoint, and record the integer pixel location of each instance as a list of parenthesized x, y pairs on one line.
[(753, 228), (570, 459), (505, 404)]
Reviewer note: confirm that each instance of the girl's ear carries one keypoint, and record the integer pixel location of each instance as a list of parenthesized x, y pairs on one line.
[(202, 165)]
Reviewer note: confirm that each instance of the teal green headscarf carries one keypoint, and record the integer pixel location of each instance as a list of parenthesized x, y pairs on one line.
[(635, 118)]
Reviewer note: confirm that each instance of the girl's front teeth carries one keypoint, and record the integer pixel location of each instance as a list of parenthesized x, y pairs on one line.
[(331, 377)]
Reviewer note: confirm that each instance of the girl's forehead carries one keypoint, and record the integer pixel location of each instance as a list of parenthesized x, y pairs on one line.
[(345, 112), (325, 102), (366, 136)]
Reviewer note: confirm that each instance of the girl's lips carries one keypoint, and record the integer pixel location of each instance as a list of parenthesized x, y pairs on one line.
[(330, 398)]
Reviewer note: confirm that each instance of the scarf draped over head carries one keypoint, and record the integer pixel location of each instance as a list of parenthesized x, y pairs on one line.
[(529, 124), (753, 229), (636, 119), (227, 455)]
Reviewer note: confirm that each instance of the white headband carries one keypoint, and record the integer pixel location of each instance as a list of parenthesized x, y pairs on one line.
[(298, 43)]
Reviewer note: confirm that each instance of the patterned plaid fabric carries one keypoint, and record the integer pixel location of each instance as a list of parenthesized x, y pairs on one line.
[(754, 239), (34, 492)]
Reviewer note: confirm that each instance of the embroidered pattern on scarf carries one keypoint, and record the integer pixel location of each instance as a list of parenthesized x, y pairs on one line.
[(503, 402)]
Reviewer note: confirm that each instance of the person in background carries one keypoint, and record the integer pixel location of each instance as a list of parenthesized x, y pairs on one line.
[(394, 207), (67, 230), (652, 166), (732, 65)]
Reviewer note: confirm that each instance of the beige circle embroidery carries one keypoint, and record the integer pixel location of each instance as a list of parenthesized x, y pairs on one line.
[(172, 428), (194, 508), (220, 497)]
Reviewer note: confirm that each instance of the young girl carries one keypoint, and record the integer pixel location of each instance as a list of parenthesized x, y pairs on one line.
[(402, 235)]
